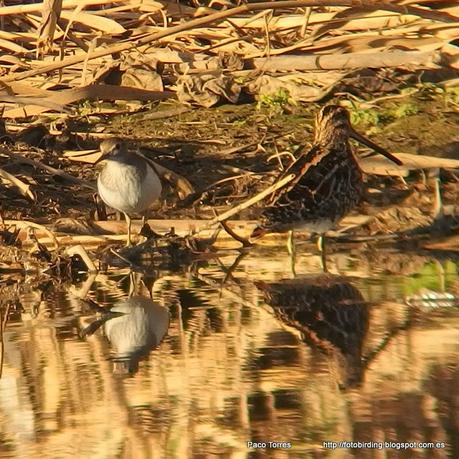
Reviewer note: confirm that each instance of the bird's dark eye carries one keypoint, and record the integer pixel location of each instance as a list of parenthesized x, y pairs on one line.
[(117, 146)]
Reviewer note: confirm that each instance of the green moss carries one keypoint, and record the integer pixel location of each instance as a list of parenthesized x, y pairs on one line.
[(275, 103), (365, 117), (405, 109)]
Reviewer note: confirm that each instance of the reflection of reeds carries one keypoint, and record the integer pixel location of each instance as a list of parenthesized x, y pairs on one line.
[(3, 320), (228, 371)]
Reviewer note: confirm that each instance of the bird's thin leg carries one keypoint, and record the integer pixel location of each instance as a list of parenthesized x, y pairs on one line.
[(291, 242), (438, 203), (320, 243), (323, 255), (128, 221), (143, 231), (146, 230), (292, 250), (145, 217)]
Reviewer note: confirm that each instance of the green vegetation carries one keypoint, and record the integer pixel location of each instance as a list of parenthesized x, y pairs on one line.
[(404, 109), (433, 276), (275, 103), (366, 117)]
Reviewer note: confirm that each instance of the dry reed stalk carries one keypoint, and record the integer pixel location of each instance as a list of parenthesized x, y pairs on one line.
[(23, 188), (3, 321), (50, 169), (91, 92), (249, 202), (70, 239), (426, 59), (32, 101), (37, 7), (26, 225), (382, 166), (50, 13), (95, 22), (81, 251), (182, 227), (220, 16)]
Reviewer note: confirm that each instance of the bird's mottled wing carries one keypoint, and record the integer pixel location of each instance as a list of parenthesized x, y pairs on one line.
[(299, 168)]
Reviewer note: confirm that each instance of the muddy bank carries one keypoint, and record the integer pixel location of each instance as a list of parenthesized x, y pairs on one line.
[(228, 153)]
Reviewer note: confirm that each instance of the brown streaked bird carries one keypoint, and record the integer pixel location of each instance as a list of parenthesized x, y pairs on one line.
[(328, 181), (128, 182), (331, 315)]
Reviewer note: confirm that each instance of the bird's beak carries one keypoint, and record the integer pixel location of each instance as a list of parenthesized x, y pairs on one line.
[(101, 158), (368, 143)]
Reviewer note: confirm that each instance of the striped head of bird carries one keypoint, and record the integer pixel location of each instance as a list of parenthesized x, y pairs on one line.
[(333, 126)]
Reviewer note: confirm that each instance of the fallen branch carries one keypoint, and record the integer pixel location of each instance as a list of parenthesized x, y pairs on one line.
[(425, 59), (245, 242), (250, 202), (91, 92)]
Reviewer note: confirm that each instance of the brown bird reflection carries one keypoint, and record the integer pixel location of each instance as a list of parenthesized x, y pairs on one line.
[(330, 313), (134, 327)]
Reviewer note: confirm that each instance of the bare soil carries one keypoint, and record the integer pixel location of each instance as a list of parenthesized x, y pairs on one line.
[(228, 153)]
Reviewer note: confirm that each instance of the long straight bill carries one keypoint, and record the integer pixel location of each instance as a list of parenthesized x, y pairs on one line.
[(368, 143)]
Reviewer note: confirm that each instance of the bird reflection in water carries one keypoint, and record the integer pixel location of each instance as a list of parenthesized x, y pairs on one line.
[(134, 327), (330, 313)]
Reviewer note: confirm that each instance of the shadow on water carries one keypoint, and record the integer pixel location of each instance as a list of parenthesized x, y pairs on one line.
[(215, 359)]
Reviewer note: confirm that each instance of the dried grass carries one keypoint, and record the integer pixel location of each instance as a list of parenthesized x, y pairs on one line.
[(76, 41), (60, 53)]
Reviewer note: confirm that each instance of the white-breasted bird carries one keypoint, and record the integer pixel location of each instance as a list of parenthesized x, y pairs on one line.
[(128, 182)]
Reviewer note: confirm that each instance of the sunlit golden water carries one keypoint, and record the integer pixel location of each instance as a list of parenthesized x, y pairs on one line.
[(210, 366)]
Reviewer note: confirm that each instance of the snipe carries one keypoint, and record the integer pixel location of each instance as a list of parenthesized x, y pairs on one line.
[(328, 181)]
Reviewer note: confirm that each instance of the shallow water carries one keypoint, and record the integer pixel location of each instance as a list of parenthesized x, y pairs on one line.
[(367, 353)]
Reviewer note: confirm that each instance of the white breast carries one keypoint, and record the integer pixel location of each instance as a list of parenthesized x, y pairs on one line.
[(319, 226), (124, 191), (141, 326)]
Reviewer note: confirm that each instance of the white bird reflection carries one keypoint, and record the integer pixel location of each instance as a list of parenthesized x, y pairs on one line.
[(134, 327)]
